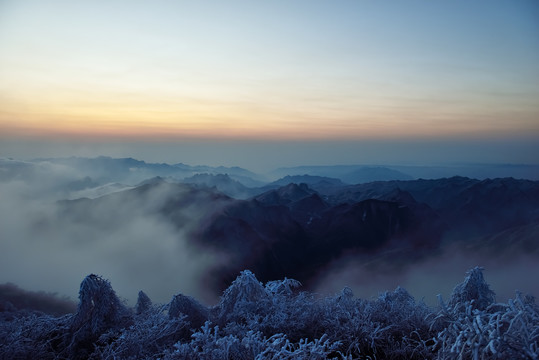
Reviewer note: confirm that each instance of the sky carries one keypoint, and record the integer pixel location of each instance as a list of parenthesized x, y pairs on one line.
[(257, 84), (277, 83)]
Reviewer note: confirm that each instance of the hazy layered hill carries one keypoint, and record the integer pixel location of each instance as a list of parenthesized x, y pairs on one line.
[(93, 177), (82, 173)]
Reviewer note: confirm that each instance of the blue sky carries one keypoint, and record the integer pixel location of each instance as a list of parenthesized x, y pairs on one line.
[(319, 76)]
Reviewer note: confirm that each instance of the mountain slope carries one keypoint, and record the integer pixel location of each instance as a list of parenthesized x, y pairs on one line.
[(295, 231), (470, 207)]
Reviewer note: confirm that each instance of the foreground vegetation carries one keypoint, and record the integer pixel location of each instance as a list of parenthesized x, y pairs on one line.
[(277, 321)]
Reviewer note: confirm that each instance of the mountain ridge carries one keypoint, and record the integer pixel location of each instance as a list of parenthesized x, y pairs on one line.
[(296, 231)]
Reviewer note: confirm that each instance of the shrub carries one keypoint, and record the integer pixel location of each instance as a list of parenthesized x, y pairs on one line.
[(99, 311), (277, 321)]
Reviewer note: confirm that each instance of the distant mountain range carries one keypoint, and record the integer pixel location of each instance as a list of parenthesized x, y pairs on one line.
[(76, 173)]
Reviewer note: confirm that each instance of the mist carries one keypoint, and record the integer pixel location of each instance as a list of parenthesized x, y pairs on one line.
[(427, 278), (45, 248), (50, 244)]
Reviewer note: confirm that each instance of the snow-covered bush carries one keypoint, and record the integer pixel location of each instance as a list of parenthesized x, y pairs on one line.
[(277, 321), (195, 313), (209, 344), (99, 311), (245, 297), (34, 337), (474, 291), (144, 303), (390, 327), (283, 287), (275, 308), (152, 333), (472, 326)]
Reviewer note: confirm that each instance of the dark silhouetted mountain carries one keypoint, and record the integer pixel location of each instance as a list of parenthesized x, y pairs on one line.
[(432, 192), (375, 225), (245, 177), (306, 209), (295, 231), (285, 194), (320, 184), (470, 207), (303, 202), (223, 183), (261, 237), (292, 230)]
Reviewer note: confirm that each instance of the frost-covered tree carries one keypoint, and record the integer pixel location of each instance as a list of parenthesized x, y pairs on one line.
[(150, 337), (144, 303), (277, 321), (473, 290), (472, 326), (245, 297), (283, 287), (99, 311), (195, 313), (33, 336)]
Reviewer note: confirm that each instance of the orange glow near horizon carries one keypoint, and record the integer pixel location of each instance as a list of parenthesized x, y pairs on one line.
[(186, 71), (205, 120)]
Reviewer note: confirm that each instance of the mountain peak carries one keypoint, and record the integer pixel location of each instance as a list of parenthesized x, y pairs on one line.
[(285, 194)]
